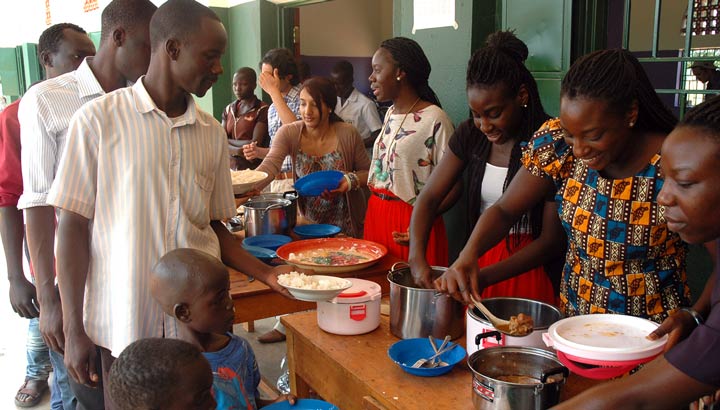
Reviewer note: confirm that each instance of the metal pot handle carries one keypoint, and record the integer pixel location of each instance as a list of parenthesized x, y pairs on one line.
[(392, 268), (551, 372), (494, 333), (288, 193), (272, 206)]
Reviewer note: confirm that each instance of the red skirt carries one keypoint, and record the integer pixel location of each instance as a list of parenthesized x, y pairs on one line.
[(387, 215), (533, 284)]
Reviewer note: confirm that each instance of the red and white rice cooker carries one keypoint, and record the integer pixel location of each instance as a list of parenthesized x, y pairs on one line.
[(353, 312)]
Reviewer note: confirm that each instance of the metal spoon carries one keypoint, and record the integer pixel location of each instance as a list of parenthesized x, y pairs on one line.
[(434, 362)]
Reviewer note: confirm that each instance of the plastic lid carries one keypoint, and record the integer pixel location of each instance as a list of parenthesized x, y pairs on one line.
[(360, 291)]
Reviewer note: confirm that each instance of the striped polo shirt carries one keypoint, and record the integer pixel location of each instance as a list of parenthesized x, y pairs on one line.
[(44, 114), (148, 184)]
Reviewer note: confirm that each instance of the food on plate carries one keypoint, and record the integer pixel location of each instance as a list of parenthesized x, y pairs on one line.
[(520, 325), (303, 281), (514, 378), (246, 176), (341, 256)]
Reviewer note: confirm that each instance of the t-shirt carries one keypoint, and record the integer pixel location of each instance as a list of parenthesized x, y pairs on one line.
[(621, 257), (235, 375), (698, 356)]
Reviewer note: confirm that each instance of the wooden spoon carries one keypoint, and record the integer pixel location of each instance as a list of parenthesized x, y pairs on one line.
[(499, 324)]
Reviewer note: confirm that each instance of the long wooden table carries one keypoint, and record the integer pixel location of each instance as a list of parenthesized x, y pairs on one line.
[(355, 372), (254, 300)]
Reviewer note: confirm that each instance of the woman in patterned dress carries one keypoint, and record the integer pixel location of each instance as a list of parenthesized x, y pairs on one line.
[(506, 111), (322, 141), (411, 142), (600, 159)]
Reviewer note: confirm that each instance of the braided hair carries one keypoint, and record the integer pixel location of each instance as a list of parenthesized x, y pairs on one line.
[(412, 60), (501, 62), (705, 116), (148, 371), (617, 77)]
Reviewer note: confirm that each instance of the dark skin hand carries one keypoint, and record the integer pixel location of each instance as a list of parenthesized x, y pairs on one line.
[(41, 243), (23, 298)]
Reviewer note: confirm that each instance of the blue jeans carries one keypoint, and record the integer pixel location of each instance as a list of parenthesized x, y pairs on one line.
[(36, 351), (61, 384)]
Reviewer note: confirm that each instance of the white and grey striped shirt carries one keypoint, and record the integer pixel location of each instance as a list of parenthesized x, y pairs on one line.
[(44, 114), (149, 184)]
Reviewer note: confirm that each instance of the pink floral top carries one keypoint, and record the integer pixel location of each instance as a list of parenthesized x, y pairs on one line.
[(405, 155)]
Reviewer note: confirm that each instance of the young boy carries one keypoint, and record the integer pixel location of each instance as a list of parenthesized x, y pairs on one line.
[(690, 195), (194, 288), (161, 374)]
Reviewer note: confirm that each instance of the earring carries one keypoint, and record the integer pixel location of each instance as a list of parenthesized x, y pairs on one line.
[(397, 78), (632, 124), (524, 105)]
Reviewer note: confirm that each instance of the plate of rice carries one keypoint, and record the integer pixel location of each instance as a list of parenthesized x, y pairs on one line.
[(244, 180), (313, 288)]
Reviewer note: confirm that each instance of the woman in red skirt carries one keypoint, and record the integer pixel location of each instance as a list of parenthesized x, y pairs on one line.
[(412, 141), (506, 108)]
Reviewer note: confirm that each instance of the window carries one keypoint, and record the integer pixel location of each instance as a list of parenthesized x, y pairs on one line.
[(704, 19), (687, 77)]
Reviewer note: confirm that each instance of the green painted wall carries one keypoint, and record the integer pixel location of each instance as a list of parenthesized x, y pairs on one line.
[(9, 72)]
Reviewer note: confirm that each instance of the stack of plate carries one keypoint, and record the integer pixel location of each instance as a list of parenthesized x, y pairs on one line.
[(603, 346)]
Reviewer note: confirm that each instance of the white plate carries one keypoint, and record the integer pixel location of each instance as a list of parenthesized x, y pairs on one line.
[(316, 295), (253, 178), (606, 337)]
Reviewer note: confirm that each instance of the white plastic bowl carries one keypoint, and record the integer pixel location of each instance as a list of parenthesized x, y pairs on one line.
[(257, 176), (317, 295)]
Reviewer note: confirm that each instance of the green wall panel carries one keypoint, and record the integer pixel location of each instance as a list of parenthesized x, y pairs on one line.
[(32, 70), (11, 84)]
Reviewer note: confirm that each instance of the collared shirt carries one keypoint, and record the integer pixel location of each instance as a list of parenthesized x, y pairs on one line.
[(359, 111), (292, 99), (10, 173), (44, 114), (149, 184)]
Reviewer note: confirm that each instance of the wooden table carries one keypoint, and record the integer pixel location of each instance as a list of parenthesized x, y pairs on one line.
[(254, 300), (355, 372)]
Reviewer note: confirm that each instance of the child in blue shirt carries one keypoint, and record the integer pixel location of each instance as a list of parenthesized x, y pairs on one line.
[(194, 288)]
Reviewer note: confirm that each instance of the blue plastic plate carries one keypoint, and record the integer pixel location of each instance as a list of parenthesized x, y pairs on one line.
[(316, 231), (271, 242), (302, 404), (406, 352), (261, 253), (316, 183)]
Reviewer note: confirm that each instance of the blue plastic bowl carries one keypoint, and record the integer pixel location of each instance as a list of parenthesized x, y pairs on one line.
[(302, 404), (316, 183), (316, 231), (406, 352), (271, 242), (264, 254)]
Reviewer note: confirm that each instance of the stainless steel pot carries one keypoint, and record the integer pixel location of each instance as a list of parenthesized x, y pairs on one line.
[(419, 312), (543, 316), (291, 196), (490, 393), (267, 217)]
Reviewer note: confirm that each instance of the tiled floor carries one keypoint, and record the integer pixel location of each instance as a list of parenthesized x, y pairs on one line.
[(12, 348)]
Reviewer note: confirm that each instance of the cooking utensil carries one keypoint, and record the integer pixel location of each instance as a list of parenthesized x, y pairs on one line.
[(418, 312), (543, 314), (406, 352), (492, 393), (291, 196), (267, 217), (501, 325), (354, 311), (427, 362), (434, 362)]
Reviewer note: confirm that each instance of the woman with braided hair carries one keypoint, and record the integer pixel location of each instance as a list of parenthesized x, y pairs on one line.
[(690, 367), (506, 110), (600, 159), (411, 143)]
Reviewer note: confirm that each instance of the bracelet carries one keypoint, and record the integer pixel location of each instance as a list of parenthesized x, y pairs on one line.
[(352, 181), (695, 315)]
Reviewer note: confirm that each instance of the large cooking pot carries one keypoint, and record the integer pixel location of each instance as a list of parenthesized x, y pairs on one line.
[(511, 363), (419, 312), (478, 327), (291, 196), (267, 217)]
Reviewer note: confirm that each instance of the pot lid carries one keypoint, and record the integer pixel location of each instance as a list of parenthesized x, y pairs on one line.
[(360, 291), (605, 337)]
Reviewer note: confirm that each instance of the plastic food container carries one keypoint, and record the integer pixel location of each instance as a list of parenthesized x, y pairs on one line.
[(603, 346), (353, 312)]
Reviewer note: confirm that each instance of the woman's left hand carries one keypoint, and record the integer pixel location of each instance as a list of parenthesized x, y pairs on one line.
[(401, 238), (677, 326), (289, 397), (341, 189)]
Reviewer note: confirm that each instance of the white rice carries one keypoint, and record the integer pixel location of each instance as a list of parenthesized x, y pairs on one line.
[(303, 281)]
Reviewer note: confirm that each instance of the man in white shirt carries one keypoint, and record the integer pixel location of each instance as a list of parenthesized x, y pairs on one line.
[(145, 171), (44, 114), (352, 106)]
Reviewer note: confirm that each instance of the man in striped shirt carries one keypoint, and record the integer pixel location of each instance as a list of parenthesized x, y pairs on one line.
[(44, 114), (145, 171)]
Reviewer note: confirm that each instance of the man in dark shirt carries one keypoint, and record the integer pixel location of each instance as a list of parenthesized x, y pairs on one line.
[(706, 72)]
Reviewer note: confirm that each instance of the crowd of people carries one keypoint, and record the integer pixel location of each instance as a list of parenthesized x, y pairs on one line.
[(124, 183)]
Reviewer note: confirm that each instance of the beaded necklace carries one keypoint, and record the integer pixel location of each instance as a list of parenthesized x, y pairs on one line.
[(381, 175)]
